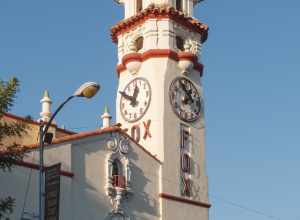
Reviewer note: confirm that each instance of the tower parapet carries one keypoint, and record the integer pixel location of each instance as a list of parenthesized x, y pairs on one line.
[(157, 31), (133, 7)]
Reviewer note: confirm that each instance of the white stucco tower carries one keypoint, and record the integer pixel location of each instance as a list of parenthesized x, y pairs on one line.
[(160, 97)]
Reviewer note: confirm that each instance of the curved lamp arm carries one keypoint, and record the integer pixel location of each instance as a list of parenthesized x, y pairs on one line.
[(87, 90), (55, 113)]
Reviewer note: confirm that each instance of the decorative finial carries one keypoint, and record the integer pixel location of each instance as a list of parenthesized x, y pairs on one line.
[(106, 110), (106, 117), (46, 94)]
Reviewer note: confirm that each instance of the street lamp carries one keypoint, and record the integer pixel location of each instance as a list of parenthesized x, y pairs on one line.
[(86, 90)]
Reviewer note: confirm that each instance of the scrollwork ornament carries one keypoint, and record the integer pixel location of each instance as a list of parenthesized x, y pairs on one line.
[(124, 145), (130, 44), (112, 144), (118, 144)]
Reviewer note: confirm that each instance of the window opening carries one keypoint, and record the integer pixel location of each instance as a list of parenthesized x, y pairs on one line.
[(180, 43), (139, 5), (117, 174), (139, 43), (179, 5), (116, 167)]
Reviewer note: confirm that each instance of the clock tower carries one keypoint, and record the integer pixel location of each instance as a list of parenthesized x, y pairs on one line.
[(160, 97)]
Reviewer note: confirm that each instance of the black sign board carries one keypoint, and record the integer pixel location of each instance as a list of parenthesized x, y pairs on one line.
[(52, 192)]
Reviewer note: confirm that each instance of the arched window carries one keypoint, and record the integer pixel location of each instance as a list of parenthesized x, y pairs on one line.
[(179, 5), (116, 167), (118, 174), (139, 43), (139, 5), (179, 43)]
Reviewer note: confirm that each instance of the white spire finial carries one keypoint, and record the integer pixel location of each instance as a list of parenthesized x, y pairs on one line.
[(46, 107), (106, 118)]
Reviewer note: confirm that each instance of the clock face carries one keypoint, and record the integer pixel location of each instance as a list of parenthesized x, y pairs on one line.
[(135, 99), (185, 99)]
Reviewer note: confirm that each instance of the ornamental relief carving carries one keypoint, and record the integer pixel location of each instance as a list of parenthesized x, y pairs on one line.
[(129, 40), (118, 174), (192, 41), (192, 46)]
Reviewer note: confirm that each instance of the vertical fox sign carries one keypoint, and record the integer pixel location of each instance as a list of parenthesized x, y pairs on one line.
[(52, 192)]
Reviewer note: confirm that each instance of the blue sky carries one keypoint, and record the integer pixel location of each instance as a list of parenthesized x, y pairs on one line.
[(251, 85)]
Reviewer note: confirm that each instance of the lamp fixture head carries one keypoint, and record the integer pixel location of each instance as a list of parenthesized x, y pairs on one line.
[(87, 90)]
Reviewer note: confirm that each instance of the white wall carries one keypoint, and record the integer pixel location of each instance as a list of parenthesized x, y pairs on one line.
[(84, 195)]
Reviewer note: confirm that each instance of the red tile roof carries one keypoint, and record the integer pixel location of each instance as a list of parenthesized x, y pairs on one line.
[(97, 132), (159, 12)]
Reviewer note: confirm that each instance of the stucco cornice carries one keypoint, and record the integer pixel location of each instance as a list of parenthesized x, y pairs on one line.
[(37, 167), (184, 200), (78, 136), (155, 53), (159, 12), (82, 135)]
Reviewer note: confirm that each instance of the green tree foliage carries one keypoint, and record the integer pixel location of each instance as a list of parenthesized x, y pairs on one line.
[(8, 154)]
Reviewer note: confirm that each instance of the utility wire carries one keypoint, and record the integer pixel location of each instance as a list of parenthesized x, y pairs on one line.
[(223, 200), (26, 192), (28, 184), (252, 210)]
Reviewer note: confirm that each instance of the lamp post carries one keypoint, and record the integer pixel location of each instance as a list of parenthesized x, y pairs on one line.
[(87, 90)]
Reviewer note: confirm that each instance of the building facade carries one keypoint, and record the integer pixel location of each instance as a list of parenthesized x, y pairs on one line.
[(152, 165)]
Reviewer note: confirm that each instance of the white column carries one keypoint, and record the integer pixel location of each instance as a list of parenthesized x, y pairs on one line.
[(46, 107), (190, 7)]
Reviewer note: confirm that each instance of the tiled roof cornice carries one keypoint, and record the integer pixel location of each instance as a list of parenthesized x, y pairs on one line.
[(159, 12), (82, 135), (78, 136), (29, 121)]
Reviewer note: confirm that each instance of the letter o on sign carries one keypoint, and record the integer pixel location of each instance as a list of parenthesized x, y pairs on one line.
[(136, 133)]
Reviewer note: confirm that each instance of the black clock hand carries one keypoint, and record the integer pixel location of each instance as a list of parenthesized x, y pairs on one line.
[(188, 93), (135, 93), (128, 97), (134, 96)]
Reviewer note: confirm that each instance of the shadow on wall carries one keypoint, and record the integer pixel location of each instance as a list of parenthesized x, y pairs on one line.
[(88, 201), (141, 202)]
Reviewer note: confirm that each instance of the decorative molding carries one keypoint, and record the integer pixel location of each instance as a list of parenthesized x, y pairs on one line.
[(118, 145), (192, 46), (37, 167), (115, 128), (159, 12), (183, 200), (77, 136), (154, 53)]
